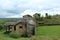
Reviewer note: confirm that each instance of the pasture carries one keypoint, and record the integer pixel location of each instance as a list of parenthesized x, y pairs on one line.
[(42, 33)]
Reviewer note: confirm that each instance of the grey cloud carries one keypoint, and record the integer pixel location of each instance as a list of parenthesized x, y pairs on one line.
[(13, 7)]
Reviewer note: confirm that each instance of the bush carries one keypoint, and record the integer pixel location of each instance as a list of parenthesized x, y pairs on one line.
[(7, 32), (14, 35), (1, 26)]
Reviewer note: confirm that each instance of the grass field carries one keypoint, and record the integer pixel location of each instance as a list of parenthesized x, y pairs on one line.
[(48, 31), (42, 33)]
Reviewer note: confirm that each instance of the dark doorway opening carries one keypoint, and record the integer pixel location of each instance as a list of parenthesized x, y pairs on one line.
[(33, 31)]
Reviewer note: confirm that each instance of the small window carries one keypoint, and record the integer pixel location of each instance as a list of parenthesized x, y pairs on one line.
[(20, 26)]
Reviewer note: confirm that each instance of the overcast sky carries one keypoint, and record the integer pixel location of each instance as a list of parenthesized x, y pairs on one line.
[(18, 8)]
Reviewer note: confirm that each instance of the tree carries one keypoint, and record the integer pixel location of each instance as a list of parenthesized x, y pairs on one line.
[(48, 16), (36, 16)]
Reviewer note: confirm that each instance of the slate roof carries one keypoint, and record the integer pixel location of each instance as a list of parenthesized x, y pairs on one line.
[(20, 22), (10, 23)]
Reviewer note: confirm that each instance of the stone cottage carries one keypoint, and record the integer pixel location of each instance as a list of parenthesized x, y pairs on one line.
[(25, 27)]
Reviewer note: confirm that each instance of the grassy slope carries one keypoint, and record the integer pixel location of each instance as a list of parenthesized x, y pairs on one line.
[(44, 31)]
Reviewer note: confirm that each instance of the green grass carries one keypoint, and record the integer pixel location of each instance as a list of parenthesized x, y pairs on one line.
[(48, 31), (42, 33)]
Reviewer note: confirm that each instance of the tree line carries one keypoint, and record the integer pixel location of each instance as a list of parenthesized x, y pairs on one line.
[(47, 19)]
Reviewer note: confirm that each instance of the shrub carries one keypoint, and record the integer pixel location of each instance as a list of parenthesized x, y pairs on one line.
[(1, 26), (14, 35), (7, 32)]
